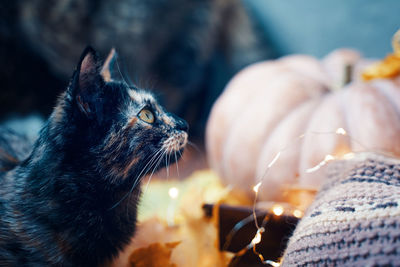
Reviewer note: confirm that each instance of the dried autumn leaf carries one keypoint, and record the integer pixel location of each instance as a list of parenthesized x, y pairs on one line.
[(164, 220), (388, 67), (155, 255), (153, 230)]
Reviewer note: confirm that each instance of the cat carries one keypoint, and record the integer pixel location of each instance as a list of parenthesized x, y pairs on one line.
[(73, 200)]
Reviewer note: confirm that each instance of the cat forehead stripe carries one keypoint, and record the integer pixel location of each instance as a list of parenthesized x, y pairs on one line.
[(140, 95)]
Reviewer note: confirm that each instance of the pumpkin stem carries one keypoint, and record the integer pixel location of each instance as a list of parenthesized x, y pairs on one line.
[(348, 73)]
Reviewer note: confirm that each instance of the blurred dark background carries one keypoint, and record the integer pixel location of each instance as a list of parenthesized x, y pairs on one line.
[(184, 50)]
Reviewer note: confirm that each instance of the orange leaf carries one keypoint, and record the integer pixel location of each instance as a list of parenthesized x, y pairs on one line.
[(388, 67), (155, 255)]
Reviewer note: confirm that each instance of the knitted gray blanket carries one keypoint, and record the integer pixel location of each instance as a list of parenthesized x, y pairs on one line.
[(355, 218)]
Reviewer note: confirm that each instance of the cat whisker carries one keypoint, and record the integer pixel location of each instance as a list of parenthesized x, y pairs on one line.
[(137, 180), (147, 167), (155, 161), (181, 155), (120, 73), (139, 177), (151, 175), (166, 164), (176, 163), (155, 166), (195, 147), (169, 159)]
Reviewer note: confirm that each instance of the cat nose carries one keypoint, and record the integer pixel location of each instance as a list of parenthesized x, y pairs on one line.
[(184, 126), (181, 124)]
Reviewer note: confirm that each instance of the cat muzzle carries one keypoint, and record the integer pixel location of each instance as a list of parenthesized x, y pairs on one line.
[(176, 142)]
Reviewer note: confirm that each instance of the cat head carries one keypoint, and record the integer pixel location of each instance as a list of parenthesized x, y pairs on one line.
[(118, 129)]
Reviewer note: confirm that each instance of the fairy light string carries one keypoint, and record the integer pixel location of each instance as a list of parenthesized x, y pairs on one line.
[(279, 210)]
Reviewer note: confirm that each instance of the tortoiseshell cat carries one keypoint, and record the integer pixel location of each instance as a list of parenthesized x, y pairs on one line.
[(73, 200)]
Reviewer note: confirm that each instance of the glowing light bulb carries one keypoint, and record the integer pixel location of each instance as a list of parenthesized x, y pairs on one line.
[(341, 131), (256, 187), (257, 237), (297, 213), (273, 263), (329, 158), (278, 210), (173, 192)]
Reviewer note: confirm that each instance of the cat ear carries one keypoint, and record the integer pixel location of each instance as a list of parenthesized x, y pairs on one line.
[(108, 66), (88, 69), (88, 82)]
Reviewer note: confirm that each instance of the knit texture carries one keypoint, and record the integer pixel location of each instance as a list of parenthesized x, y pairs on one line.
[(355, 218)]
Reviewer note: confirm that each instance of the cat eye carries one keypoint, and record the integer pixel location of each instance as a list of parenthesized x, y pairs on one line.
[(146, 116)]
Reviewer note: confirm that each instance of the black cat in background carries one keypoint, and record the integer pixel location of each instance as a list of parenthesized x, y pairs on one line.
[(187, 49)]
